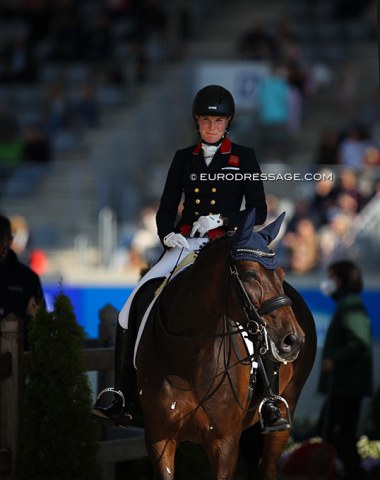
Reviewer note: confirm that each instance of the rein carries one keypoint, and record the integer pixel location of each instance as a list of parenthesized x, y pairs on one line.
[(228, 332), (255, 329)]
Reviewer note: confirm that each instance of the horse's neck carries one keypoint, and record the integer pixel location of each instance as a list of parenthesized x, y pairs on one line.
[(199, 300), (209, 276)]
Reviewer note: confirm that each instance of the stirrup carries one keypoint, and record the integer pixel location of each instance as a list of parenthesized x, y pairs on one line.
[(275, 428), (111, 389), (122, 420)]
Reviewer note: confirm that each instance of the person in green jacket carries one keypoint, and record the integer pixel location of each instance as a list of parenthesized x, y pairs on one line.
[(346, 370)]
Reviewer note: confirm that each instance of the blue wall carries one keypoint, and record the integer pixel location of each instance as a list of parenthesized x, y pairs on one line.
[(88, 300)]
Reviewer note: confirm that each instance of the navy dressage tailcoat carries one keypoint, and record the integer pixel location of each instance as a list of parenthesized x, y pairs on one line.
[(232, 176)]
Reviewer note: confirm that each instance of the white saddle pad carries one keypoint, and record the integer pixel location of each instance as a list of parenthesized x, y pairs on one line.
[(184, 264)]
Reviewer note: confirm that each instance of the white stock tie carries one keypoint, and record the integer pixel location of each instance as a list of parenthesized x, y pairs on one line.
[(209, 152)]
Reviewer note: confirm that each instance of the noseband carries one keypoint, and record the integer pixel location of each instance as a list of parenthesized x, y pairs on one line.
[(256, 325)]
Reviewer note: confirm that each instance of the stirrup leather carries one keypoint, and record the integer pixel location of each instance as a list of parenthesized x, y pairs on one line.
[(285, 426)]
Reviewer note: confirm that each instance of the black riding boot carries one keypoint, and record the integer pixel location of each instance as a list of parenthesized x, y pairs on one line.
[(270, 414), (118, 411)]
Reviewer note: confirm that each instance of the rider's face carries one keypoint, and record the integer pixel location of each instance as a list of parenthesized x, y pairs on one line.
[(212, 128)]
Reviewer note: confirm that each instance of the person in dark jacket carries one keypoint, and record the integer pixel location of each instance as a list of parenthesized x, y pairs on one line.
[(215, 176), (346, 373), (20, 288)]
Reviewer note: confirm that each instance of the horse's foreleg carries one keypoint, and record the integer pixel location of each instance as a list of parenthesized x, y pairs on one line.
[(274, 445), (223, 455), (161, 454)]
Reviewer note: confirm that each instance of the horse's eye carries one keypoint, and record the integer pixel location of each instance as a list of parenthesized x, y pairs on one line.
[(250, 275)]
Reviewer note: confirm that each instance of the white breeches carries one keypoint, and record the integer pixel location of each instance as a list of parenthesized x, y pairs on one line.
[(163, 268)]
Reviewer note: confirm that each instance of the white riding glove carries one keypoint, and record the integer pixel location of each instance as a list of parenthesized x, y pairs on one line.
[(175, 240), (204, 224)]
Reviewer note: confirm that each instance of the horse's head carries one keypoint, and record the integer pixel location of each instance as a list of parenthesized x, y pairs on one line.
[(259, 287)]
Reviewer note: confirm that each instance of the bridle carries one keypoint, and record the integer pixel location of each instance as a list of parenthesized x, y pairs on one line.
[(256, 325)]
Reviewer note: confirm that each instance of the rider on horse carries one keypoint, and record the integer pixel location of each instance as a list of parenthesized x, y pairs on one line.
[(215, 177)]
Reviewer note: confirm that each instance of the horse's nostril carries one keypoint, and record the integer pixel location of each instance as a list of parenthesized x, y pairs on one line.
[(289, 341)]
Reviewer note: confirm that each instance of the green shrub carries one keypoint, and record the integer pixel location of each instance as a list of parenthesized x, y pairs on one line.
[(58, 439)]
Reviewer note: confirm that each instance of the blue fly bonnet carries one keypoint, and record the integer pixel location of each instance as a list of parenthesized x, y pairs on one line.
[(250, 245)]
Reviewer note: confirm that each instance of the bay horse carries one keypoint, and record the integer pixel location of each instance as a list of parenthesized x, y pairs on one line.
[(193, 371)]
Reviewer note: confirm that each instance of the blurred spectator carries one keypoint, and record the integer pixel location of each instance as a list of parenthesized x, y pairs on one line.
[(98, 42), (369, 113), (38, 14), (347, 204), (185, 27), (36, 145), (335, 238), (59, 111), (273, 207), (284, 32), (67, 32), (20, 288), (21, 236), (328, 148), (145, 245), (347, 365), (346, 86), (366, 235), (149, 40), (273, 108), (303, 247), (371, 156), (87, 108), (155, 18), (296, 76), (324, 197), (348, 185), (113, 75), (301, 210), (18, 64), (295, 112), (352, 148), (258, 43)]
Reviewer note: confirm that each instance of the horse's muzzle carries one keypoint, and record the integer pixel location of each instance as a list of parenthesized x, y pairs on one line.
[(288, 348)]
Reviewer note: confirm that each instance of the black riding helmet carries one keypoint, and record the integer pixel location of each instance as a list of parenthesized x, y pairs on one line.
[(214, 100)]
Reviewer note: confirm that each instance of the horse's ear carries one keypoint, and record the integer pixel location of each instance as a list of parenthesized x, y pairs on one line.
[(270, 232), (244, 230)]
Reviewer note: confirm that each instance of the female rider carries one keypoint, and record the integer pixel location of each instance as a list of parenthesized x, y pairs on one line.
[(215, 176)]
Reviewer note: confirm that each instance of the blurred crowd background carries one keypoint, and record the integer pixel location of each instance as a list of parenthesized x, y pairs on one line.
[(95, 97)]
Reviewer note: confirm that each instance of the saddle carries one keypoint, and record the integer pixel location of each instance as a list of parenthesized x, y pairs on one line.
[(151, 289)]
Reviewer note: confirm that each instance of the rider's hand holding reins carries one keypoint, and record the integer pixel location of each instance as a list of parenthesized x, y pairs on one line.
[(204, 224), (175, 240)]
